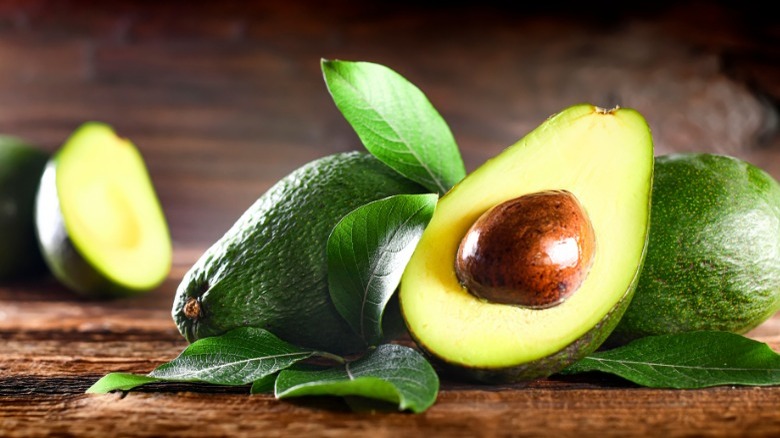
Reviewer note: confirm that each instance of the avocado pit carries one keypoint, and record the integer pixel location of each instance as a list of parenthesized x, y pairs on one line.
[(532, 251)]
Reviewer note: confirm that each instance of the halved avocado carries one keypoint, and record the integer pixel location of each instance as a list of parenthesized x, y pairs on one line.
[(99, 222), (21, 166), (604, 158)]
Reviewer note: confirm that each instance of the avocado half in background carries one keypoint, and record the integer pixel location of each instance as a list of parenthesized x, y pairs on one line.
[(21, 167), (601, 158), (99, 223)]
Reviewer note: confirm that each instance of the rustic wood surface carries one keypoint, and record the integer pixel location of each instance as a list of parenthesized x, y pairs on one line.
[(224, 98)]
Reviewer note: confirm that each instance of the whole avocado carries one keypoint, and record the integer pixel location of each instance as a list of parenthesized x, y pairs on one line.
[(21, 167), (270, 269), (713, 261)]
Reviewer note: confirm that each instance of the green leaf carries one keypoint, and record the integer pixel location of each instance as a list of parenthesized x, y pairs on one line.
[(688, 360), (264, 384), (391, 373), (396, 122), (238, 357), (368, 251), (119, 382)]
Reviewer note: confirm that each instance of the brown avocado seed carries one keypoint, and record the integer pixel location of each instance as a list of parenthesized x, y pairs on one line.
[(532, 251)]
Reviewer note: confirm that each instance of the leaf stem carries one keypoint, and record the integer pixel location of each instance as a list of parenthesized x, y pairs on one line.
[(334, 357)]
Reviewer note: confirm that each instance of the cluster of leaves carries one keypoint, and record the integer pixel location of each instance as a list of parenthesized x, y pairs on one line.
[(390, 373), (367, 253)]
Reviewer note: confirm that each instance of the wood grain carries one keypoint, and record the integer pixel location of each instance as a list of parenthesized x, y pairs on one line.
[(224, 98)]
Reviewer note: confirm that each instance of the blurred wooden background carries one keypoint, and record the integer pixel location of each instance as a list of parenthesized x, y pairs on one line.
[(223, 98)]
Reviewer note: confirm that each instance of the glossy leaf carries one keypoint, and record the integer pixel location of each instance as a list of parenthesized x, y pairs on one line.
[(688, 360), (390, 373), (238, 357), (367, 253), (264, 385), (119, 382), (396, 122)]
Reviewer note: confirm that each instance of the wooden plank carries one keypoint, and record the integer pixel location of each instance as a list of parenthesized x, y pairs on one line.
[(473, 412), (56, 347)]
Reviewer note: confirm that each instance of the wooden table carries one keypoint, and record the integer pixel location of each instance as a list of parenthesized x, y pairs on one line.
[(224, 98)]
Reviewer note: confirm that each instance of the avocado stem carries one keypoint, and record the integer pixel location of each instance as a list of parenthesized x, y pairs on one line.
[(600, 110), (192, 308)]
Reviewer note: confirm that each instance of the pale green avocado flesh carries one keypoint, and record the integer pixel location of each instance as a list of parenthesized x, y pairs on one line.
[(713, 260), (98, 219), (270, 269), (604, 158)]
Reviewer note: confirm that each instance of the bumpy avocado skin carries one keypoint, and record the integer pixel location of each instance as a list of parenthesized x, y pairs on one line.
[(713, 259), (270, 269), (21, 167)]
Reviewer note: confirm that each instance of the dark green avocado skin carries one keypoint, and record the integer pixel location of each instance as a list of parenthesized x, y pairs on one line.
[(713, 259), (21, 167), (270, 269)]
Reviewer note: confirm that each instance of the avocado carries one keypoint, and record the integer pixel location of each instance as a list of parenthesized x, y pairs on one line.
[(270, 269), (21, 167), (604, 159), (713, 261), (98, 220)]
